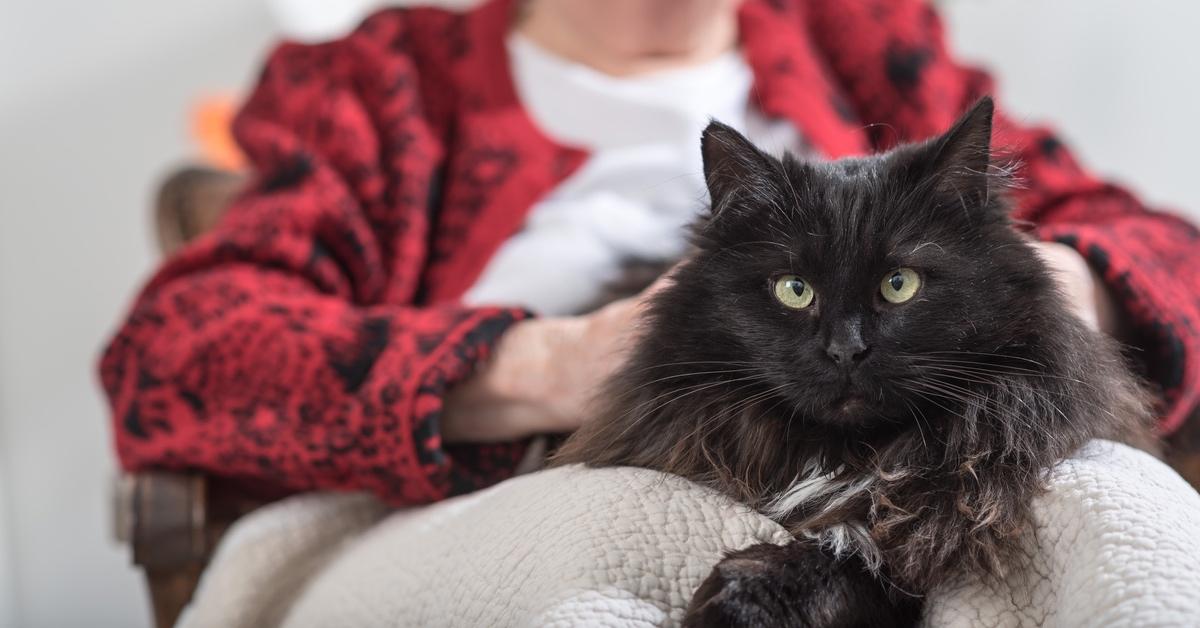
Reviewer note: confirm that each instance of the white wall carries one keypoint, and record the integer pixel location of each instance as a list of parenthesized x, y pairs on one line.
[(93, 105), (8, 598), (93, 98), (1118, 78)]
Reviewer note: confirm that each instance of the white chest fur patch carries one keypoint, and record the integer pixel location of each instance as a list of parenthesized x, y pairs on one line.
[(816, 494)]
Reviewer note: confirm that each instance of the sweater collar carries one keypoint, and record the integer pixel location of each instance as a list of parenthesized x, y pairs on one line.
[(791, 81)]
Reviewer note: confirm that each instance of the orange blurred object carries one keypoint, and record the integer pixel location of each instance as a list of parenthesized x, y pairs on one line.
[(212, 129)]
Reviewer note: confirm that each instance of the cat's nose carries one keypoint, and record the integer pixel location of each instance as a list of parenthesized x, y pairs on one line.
[(847, 353), (846, 345)]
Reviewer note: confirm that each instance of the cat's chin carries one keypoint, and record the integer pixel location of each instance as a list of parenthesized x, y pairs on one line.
[(851, 410)]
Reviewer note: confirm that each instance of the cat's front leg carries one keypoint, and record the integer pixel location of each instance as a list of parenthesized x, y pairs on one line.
[(800, 585)]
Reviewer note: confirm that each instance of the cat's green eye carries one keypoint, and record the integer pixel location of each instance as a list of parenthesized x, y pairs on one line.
[(793, 292), (900, 285)]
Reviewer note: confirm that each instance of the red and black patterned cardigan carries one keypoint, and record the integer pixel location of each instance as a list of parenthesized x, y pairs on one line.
[(308, 341)]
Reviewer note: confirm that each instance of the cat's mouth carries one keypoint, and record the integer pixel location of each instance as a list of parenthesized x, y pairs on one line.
[(850, 401)]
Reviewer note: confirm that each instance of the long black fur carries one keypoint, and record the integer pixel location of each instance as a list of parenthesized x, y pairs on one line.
[(933, 443)]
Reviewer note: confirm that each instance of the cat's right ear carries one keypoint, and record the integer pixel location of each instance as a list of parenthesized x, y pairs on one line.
[(734, 168), (960, 158)]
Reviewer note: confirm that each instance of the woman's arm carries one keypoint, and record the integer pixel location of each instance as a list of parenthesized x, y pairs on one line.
[(544, 374), (892, 62), (285, 347)]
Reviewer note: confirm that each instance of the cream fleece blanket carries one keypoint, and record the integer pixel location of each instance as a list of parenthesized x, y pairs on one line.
[(1118, 544)]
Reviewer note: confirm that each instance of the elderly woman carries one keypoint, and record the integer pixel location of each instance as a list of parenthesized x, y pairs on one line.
[(402, 301)]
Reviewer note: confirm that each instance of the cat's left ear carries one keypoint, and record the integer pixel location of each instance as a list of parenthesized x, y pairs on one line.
[(961, 157), (734, 168)]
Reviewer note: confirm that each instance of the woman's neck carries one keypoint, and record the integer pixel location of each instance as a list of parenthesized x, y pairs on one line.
[(632, 37)]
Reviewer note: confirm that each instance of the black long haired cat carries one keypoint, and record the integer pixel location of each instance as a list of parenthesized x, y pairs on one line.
[(867, 351)]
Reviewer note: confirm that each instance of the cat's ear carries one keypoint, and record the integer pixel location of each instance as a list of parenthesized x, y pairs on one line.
[(960, 158), (733, 166)]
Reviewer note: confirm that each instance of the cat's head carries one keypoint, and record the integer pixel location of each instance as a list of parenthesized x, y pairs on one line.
[(845, 282)]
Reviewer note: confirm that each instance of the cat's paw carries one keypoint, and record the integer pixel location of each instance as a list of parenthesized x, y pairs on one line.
[(744, 589), (794, 585)]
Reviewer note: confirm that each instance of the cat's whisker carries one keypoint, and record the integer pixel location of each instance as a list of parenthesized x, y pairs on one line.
[(643, 415), (709, 419), (934, 401), (985, 369), (923, 360), (714, 416), (951, 391), (976, 394), (679, 392), (683, 375), (912, 410), (952, 373), (930, 399), (983, 400), (736, 408), (693, 363), (787, 431), (745, 403), (728, 413), (997, 402), (688, 390), (1041, 393), (984, 354)]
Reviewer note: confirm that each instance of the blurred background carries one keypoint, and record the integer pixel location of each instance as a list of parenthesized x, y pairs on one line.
[(95, 107)]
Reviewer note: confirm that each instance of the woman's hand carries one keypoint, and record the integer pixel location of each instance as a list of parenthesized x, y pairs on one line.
[(1084, 288), (543, 375)]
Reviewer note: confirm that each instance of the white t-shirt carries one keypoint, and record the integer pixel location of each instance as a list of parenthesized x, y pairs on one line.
[(642, 184)]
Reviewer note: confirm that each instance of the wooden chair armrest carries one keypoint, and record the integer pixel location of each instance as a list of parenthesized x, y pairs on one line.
[(190, 201), (173, 523)]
